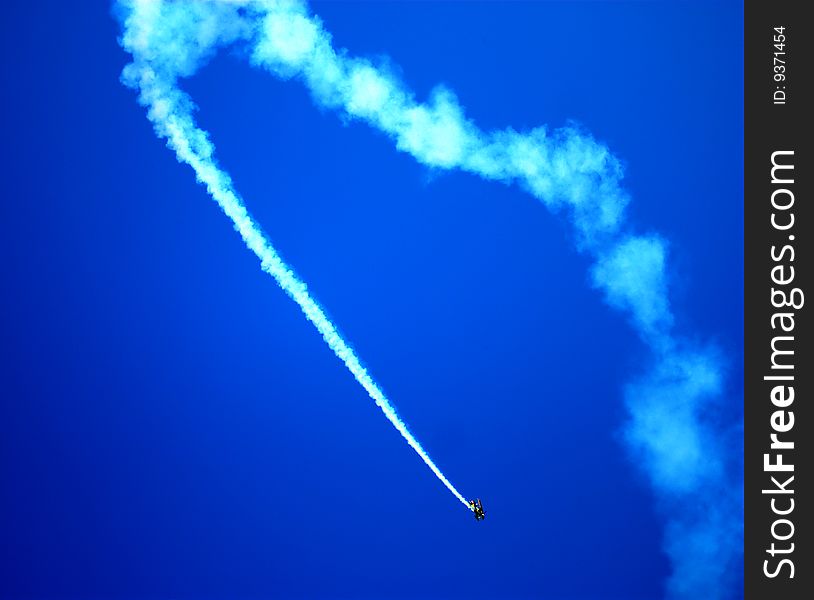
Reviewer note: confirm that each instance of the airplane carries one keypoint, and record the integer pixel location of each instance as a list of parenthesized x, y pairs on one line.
[(476, 506)]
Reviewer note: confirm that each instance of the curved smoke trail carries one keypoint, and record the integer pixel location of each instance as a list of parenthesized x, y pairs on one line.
[(673, 436), (170, 111)]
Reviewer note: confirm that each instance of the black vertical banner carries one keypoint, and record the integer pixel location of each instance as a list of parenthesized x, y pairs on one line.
[(779, 437)]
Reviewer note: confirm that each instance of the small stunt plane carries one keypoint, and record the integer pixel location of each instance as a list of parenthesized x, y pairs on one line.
[(477, 507)]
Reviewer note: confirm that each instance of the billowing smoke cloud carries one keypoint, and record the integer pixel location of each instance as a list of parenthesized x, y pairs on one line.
[(671, 429)]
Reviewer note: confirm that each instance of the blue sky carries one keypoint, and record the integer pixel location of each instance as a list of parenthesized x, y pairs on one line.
[(172, 426)]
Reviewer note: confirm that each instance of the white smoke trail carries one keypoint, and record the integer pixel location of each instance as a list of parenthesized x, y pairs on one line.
[(672, 432), (170, 111)]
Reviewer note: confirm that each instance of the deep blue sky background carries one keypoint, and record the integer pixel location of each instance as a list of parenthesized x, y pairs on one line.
[(171, 426)]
